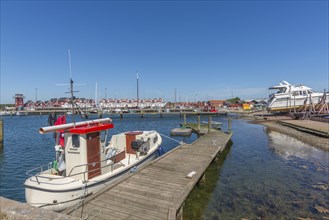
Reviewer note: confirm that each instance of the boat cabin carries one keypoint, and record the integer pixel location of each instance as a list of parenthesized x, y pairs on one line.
[(88, 155), (83, 150)]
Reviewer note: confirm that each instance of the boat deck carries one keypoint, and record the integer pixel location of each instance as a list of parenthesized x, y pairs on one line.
[(159, 190)]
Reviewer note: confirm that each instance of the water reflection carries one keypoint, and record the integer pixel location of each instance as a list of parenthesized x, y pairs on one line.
[(267, 175), (290, 148)]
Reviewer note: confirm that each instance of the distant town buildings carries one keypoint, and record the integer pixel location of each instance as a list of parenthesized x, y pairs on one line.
[(131, 103), (83, 103), (89, 104)]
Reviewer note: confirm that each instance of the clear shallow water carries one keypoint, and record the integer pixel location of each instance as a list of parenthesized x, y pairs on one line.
[(261, 174), (264, 174)]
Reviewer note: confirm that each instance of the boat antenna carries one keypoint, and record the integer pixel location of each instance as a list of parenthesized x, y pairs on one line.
[(74, 105), (71, 86)]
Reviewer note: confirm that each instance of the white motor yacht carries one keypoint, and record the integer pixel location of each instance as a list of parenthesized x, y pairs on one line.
[(290, 97)]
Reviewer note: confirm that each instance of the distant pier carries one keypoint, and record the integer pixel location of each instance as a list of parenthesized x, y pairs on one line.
[(141, 112)]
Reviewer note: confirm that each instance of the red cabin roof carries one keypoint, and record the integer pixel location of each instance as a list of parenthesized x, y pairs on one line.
[(90, 128)]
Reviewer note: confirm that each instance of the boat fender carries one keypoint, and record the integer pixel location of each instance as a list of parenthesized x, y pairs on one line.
[(160, 151), (133, 169), (55, 166), (61, 165)]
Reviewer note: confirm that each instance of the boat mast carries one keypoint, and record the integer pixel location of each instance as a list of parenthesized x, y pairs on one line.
[(137, 89), (71, 87)]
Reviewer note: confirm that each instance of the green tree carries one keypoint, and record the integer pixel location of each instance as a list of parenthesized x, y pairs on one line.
[(233, 100)]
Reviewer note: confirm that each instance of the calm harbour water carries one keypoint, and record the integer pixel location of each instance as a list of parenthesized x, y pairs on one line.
[(261, 174)]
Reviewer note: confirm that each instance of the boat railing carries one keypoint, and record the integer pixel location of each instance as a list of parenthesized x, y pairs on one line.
[(39, 170), (86, 171)]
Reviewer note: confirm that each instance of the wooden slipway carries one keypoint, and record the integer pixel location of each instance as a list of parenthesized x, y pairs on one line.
[(314, 127)]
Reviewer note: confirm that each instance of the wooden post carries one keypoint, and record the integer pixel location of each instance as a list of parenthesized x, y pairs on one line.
[(161, 115), (172, 214), (121, 116), (229, 125), (142, 114), (202, 180), (1, 133), (179, 215), (209, 124), (184, 119), (198, 121)]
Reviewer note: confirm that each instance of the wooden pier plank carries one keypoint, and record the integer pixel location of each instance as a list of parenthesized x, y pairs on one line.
[(130, 207), (168, 184), (155, 185), (137, 208)]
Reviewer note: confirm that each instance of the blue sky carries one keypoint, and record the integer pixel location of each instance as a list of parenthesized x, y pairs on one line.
[(203, 49)]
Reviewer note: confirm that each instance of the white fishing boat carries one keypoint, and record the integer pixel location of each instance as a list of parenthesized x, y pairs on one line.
[(86, 162), (290, 97)]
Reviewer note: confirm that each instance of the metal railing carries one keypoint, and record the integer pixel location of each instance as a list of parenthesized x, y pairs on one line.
[(38, 171)]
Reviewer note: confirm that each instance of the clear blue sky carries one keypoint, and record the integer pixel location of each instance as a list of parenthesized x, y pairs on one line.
[(204, 49)]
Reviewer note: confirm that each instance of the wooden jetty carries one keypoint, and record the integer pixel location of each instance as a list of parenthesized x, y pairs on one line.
[(159, 190)]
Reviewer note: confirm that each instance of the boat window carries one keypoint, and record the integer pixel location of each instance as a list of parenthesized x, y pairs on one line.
[(76, 140), (295, 93), (304, 93)]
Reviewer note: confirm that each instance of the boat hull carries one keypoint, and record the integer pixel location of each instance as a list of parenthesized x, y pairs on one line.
[(286, 104), (58, 199)]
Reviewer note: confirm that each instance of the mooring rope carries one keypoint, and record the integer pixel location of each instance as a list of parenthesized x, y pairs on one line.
[(180, 142)]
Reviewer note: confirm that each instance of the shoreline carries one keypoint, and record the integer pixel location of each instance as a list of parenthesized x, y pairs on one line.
[(270, 122)]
